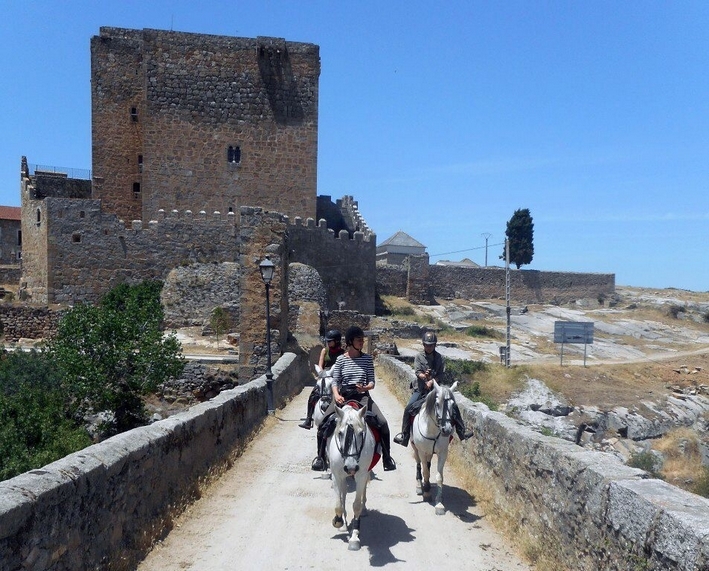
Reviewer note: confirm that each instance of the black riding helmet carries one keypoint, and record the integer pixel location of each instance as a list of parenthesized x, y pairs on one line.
[(429, 338), (333, 335), (352, 333)]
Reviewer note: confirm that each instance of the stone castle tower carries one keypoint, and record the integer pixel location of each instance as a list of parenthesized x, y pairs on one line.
[(184, 121)]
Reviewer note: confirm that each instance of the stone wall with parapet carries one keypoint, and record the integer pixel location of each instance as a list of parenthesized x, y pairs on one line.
[(90, 251), (526, 286), (347, 264), (585, 508), (103, 507)]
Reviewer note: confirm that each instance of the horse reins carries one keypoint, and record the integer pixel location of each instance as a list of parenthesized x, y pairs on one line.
[(349, 436)]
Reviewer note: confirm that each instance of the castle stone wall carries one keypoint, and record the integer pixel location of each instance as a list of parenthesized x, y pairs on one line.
[(198, 98), (526, 286), (89, 252), (346, 264)]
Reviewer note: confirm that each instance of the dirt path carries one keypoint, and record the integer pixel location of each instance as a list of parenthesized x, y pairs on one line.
[(270, 511)]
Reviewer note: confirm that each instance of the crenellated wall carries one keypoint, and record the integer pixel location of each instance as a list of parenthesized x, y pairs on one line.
[(345, 263)]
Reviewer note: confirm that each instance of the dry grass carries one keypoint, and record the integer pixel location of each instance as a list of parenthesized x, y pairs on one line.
[(683, 458)]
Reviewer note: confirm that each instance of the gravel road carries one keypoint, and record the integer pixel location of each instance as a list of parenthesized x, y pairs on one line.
[(270, 511)]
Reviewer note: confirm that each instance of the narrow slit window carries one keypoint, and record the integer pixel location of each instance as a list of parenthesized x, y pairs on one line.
[(39, 217), (136, 190), (140, 163), (76, 238), (134, 113), (234, 155), (19, 237)]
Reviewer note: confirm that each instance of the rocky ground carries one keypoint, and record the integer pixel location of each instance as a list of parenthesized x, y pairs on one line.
[(646, 372)]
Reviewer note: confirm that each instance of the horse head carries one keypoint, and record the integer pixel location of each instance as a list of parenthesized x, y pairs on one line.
[(439, 405), (350, 435), (324, 384)]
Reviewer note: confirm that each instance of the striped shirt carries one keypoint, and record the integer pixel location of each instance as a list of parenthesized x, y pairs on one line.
[(349, 372)]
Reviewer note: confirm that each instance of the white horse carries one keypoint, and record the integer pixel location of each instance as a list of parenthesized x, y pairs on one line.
[(325, 404), (351, 450), (431, 433)]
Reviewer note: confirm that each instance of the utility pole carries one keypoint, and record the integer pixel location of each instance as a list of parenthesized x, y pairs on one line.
[(507, 297), (486, 235)]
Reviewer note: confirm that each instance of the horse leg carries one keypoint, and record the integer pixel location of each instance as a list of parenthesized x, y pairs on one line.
[(440, 508), (419, 479), (340, 493), (426, 480), (357, 507)]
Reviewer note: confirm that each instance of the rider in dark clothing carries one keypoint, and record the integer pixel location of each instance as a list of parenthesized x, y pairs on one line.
[(428, 365), (352, 379), (328, 356)]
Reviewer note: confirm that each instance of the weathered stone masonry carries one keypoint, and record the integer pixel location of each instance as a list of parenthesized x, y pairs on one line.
[(199, 121)]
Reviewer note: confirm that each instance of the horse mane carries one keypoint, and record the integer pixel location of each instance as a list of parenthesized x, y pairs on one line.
[(430, 404)]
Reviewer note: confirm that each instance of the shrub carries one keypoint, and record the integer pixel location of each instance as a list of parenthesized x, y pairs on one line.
[(481, 331), (646, 461), (701, 486)]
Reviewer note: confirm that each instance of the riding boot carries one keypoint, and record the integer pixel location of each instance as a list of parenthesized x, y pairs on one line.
[(403, 437), (387, 460), (308, 422), (319, 461), (460, 425)]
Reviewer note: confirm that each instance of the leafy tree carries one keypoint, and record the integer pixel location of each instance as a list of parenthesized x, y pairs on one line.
[(219, 321), (111, 354), (35, 428), (520, 234)]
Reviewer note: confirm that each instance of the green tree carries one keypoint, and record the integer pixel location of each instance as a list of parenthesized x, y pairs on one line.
[(219, 321), (112, 354), (35, 428), (520, 234)]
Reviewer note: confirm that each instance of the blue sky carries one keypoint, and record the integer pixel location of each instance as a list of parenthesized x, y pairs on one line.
[(443, 119)]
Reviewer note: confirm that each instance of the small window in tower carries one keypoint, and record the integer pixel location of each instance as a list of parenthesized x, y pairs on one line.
[(76, 238), (140, 163), (19, 237), (134, 113), (136, 190), (82, 214), (234, 155), (39, 217)]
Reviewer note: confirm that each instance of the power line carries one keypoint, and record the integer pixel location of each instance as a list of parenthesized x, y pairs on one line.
[(466, 250)]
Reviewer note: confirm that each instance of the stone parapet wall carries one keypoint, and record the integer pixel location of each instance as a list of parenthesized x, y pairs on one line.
[(103, 507), (585, 508)]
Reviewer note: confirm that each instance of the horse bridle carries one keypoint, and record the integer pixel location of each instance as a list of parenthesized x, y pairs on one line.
[(349, 436), (439, 420)]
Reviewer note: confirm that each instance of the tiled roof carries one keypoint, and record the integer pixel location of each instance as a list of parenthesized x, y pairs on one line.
[(10, 213), (402, 239)]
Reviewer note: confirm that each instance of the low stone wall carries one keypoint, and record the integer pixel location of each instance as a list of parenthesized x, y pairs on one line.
[(103, 507), (20, 321), (586, 508)]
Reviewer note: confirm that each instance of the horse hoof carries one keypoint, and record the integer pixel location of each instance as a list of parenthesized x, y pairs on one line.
[(440, 510), (338, 522), (354, 546)]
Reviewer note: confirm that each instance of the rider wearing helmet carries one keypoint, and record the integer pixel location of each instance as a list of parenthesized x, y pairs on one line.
[(428, 365), (332, 350), (352, 379)]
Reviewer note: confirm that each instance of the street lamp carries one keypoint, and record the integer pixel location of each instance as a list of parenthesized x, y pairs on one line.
[(267, 268)]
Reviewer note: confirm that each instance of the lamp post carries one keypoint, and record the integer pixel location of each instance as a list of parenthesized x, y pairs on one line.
[(267, 268)]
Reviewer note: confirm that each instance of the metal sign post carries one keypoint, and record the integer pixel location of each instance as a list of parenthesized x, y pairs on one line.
[(573, 332)]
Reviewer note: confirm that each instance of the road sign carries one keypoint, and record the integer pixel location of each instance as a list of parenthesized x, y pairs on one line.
[(573, 332)]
